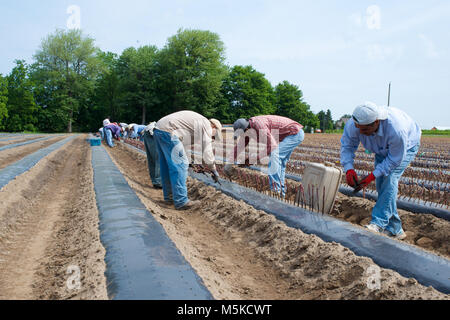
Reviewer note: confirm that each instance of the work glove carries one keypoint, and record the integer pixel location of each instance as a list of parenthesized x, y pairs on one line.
[(215, 176), (352, 178), (364, 182), (367, 180)]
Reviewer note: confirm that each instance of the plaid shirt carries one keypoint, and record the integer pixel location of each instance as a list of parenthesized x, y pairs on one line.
[(267, 125)]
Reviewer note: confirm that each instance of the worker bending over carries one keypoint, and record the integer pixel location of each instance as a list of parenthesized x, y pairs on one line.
[(395, 139), (111, 131), (136, 131), (170, 134), (282, 135), (152, 156)]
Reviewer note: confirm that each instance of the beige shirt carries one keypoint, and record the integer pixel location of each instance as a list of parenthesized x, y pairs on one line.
[(192, 129)]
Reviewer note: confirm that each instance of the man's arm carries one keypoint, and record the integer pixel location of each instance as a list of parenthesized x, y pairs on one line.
[(208, 153), (272, 143), (349, 145), (241, 140)]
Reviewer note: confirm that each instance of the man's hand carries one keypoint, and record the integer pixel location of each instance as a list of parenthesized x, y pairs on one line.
[(215, 176), (365, 182), (352, 178)]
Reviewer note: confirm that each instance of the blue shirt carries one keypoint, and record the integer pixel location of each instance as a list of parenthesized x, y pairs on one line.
[(138, 129), (395, 135)]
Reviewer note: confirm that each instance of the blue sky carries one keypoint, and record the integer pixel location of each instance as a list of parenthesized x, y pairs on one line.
[(340, 53)]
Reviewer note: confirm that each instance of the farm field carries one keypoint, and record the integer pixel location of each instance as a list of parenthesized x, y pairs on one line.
[(50, 221)]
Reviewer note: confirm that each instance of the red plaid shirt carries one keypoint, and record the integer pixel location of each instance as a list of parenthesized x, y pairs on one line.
[(266, 125)]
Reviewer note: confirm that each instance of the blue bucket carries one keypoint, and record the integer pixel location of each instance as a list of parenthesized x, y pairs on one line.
[(95, 142)]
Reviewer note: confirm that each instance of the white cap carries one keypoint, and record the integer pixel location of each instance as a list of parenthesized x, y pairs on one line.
[(218, 126), (106, 122), (368, 113)]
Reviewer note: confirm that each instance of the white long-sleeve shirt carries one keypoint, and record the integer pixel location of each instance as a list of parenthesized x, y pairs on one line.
[(395, 135), (192, 129)]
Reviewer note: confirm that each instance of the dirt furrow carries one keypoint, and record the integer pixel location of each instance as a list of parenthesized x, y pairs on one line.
[(423, 230), (10, 156), (49, 230), (244, 253), (228, 267), (17, 140)]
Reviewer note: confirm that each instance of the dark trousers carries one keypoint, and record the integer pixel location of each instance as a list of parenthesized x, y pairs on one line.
[(152, 159)]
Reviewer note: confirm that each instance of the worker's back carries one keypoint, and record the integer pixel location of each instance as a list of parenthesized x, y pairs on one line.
[(184, 123)]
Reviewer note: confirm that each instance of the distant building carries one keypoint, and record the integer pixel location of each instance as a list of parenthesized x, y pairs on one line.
[(342, 121), (440, 128)]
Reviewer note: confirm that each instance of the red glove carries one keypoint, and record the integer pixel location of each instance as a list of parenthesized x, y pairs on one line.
[(352, 178), (366, 180)]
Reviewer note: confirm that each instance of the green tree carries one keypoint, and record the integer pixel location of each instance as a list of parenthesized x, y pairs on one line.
[(322, 120), (245, 93), (289, 103), (330, 122), (105, 99), (137, 75), (3, 100), (66, 68), (191, 71), (107, 89), (22, 109), (325, 120)]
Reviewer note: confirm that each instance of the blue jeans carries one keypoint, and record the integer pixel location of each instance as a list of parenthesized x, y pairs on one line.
[(385, 214), (278, 160), (108, 135), (102, 134), (152, 159), (173, 164)]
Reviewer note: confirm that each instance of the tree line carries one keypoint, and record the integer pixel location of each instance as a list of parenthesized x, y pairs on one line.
[(72, 85)]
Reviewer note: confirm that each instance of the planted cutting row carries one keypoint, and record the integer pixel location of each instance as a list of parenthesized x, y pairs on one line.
[(409, 190), (413, 172), (307, 197)]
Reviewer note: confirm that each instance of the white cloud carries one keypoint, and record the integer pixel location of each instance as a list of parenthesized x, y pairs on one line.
[(356, 19), (263, 51), (430, 49), (431, 15), (383, 52)]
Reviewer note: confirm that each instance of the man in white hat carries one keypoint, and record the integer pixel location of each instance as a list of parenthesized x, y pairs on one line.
[(394, 138)]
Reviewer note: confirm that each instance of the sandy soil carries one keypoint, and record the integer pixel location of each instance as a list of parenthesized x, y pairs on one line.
[(48, 223), (12, 155), (244, 253), (423, 230), (17, 140)]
